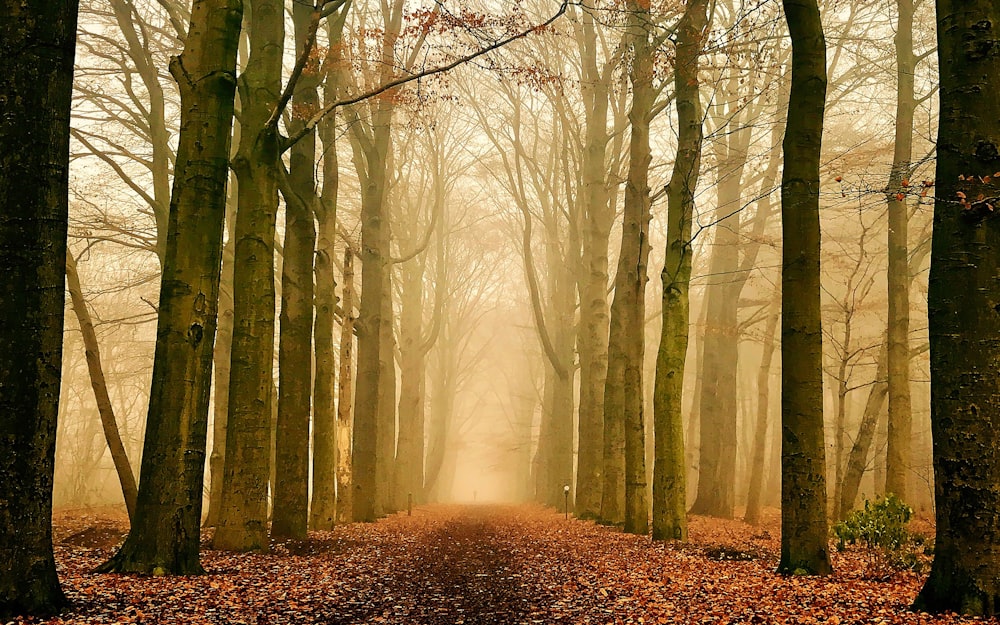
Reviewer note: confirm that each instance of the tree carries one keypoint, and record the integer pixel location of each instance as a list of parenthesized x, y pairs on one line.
[(165, 533), (900, 420), (370, 134), (243, 514), (93, 353), (36, 79), (290, 513), (327, 430), (803, 462), (592, 284), (963, 322), (669, 479), (624, 447)]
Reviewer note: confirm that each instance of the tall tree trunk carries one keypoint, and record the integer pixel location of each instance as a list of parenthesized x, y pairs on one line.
[(387, 389), (36, 82), (408, 471), (635, 235), (592, 341), (441, 417), (669, 477), (758, 451), (964, 324), (324, 509), (165, 532), (345, 429), (370, 372), (900, 422), (803, 461), (370, 135), (717, 404), (222, 360), (290, 518), (243, 514), (717, 458), (108, 421)]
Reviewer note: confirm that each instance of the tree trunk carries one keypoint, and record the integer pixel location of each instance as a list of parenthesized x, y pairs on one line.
[(857, 458), (408, 476), (632, 277), (758, 452), (592, 340), (387, 388), (290, 518), (963, 320), (717, 405), (669, 477), (345, 429), (243, 514), (108, 421), (900, 421), (36, 80), (803, 461), (222, 360), (370, 374), (165, 532), (324, 509)]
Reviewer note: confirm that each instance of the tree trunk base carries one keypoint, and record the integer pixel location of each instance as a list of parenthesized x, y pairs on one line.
[(136, 558)]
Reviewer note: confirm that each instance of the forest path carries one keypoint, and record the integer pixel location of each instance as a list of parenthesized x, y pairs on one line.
[(481, 565)]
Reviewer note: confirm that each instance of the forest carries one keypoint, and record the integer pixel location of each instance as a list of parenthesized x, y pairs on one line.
[(343, 311)]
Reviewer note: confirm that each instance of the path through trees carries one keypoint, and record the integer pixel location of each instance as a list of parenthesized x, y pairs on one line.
[(483, 564)]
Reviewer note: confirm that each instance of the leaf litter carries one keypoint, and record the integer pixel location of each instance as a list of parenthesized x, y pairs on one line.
[(482, 565)]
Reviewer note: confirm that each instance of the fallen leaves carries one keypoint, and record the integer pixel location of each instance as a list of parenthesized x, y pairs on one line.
[(483, 565)]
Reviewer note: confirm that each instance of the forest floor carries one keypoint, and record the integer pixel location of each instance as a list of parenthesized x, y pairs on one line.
[(482, 564)]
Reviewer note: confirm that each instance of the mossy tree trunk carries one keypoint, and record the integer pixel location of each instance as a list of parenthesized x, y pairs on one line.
[(669, 478), (323, 512), (630, 282), (165, 533), (290, 518), (243, 514)]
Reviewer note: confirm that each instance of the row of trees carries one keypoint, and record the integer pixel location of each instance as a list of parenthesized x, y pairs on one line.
[(360, 73)]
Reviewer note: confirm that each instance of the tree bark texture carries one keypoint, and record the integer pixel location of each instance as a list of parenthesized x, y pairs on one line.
[(165, 533), (633, 276), (290, 518), (963, 315), (669, 477), (900, 421), (243, 515), (222, 360), (36, 79), (803, 460), (592, 340), (345, 412), (758, 450), (324, 510)]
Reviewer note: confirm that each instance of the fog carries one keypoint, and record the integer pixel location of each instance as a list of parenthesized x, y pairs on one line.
[(474, 156)]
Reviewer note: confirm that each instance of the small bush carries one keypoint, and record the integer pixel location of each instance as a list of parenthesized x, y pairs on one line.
[(880, 531)]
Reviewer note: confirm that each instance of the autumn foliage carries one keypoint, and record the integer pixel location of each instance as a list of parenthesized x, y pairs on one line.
[(484, 564)]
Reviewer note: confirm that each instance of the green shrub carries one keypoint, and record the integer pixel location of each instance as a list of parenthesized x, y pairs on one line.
[(879, 530)]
